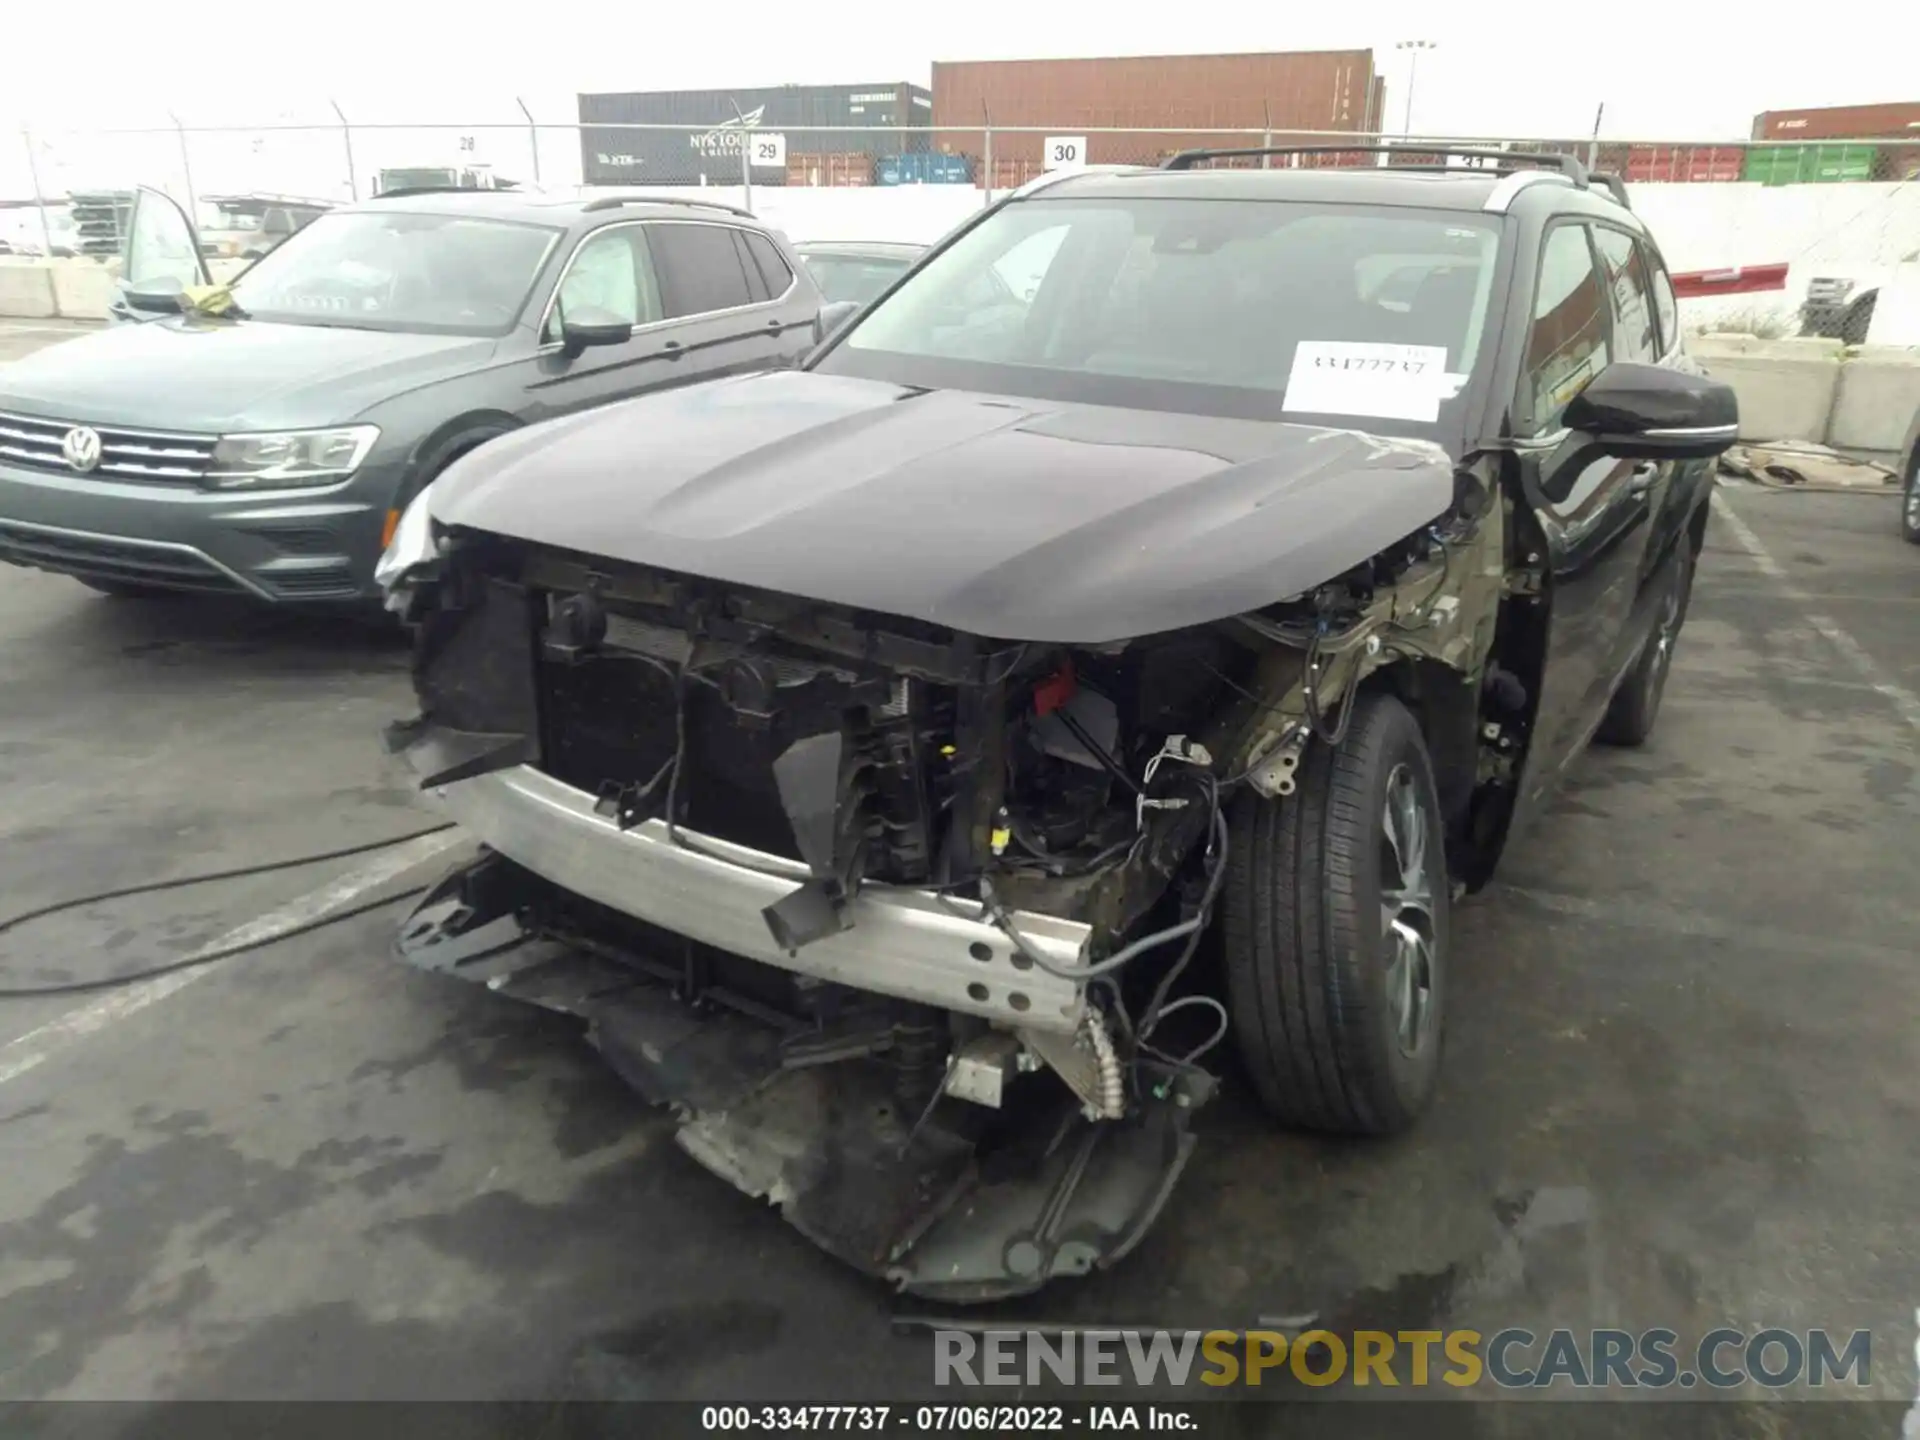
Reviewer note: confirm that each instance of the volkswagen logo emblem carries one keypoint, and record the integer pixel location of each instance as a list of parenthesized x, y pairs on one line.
[(81, 448)]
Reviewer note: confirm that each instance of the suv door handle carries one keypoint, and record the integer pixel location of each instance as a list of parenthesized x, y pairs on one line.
[(672, 350), (1644, 474)]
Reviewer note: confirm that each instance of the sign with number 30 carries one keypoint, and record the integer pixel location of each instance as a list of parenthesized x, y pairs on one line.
[(1065, 152)]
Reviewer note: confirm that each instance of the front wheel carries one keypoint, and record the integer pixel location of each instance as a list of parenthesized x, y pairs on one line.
[(1635, 705), (1335, 931), (1910, 500)]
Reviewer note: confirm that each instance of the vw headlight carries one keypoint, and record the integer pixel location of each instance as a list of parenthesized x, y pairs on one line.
[(414, 544), (281, 458)]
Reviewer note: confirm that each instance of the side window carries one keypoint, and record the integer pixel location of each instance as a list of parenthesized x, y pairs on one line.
[(611, 275), (1634, 337), (773, 269), (749, 267), (1567, 344), (1663, 298), (700, 268)]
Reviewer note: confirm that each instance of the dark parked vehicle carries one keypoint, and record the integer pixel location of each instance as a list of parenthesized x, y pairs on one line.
[(248, 226), (263, 441), (866, 750), (1832, 311), (857, 271)]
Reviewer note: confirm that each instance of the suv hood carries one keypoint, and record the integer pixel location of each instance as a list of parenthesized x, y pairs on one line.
[(1001, 517), (212, 375)]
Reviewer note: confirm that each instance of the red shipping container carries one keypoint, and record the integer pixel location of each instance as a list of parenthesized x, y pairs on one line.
[(1684, 164), (1900, 121), (1134, 97)]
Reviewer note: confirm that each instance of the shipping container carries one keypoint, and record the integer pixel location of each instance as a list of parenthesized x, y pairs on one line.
[(1809, 164), (922, 168), (1841, 122), (1684, 164), (1330, 90), (710, 128), (835, 168)]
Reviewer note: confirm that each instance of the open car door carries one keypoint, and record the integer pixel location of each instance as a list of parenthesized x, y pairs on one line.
[(159, 256)]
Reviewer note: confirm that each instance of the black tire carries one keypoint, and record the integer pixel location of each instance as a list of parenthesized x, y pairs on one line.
[(1910, 500), (1315, 1018), (127, 589), (1635, 706)]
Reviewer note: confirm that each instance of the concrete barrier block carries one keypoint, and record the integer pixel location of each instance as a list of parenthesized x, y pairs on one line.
[(1876, 399), (81, 290), (1786, 387), (26, 291)]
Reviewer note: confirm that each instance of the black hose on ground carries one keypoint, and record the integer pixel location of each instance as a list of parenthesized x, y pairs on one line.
[(82, 987)]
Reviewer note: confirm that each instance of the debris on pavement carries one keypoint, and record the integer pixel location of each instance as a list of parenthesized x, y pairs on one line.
[(1803, 465)]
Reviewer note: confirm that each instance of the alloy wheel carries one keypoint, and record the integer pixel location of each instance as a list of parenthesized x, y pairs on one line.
[(1407, 854)]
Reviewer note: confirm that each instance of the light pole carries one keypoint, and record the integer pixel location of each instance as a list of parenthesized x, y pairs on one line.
[(1413, 47)]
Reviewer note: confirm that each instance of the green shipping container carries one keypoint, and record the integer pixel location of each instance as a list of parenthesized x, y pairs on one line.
[(1806, 164)]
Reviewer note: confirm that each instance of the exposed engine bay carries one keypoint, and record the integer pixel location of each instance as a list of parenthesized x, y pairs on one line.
[(903, 922)]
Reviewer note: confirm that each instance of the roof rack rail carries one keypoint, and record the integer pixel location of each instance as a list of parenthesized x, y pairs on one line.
[(400, 192), (1613, 185), (614, 202), (1548, 160)]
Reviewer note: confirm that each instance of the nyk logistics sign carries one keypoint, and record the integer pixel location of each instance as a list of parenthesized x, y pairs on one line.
[(1512, 1359), (729, 136)]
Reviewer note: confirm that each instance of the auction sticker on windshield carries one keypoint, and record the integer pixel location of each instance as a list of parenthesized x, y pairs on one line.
[(1389, 382)]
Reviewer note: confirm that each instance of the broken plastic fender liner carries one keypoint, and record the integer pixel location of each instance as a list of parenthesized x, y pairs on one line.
[(808, 774)]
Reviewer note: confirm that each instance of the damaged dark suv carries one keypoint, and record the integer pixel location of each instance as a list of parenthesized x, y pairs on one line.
[(921, 767)]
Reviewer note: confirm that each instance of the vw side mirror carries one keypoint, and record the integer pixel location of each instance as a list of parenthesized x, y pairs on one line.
[(834, 316), (155, 297), (590, 328)]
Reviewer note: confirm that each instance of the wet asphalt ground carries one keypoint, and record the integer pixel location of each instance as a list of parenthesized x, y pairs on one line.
[(1679, 1087)]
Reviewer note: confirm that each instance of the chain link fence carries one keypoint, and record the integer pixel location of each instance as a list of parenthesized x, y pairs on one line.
[(69, 191)]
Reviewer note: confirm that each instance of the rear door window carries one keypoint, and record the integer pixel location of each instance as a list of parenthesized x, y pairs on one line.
[(701, 269), (1634, 335), (773, 269), (749, 267), (1666, 307)]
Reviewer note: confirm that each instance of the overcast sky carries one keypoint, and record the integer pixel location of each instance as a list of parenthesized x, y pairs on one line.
[(1663, 68)]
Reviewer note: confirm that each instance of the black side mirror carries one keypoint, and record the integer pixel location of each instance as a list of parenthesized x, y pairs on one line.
[(589, 328), (1648, 412), (156, 297), (833, 315)]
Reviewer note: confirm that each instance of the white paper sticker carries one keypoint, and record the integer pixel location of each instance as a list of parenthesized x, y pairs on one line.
[(768, 148), (1388, 382), (1065, 152)]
